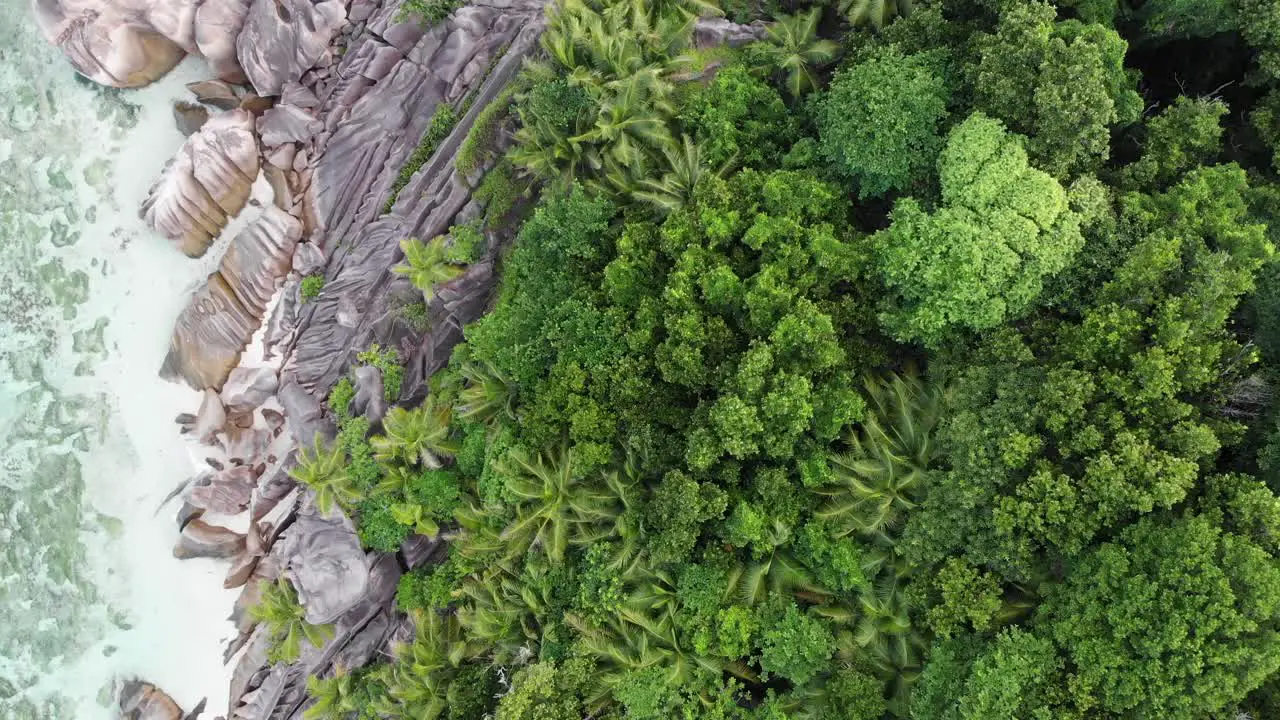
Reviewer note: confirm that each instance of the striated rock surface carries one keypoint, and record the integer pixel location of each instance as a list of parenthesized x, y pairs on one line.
[(221, 318), (119, 43), (217, 25), (208, 182), (375, 112), (281, 39)]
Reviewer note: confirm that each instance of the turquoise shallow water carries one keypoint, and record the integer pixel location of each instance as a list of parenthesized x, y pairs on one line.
[(88, 592)]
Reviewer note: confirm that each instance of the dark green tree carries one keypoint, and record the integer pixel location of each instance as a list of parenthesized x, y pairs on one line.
[(1175, 618), (880, 122)]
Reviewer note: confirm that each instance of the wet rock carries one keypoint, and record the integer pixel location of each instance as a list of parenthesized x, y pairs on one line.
[(281, 39), (248, 388), (215, 93), (208, 182), (228, 492), (187, 513), (211, 417), (245, 446), (287, 124), (217, 25), (328, 568), (256, 104), (144, 701), (200, 539), (119, 44), (189, 117), (220, 319)]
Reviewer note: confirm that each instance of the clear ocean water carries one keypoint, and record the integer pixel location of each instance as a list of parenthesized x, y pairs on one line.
[(89, 591)]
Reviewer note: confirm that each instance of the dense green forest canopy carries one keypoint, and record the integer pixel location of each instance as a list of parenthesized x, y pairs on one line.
[(916, 361)]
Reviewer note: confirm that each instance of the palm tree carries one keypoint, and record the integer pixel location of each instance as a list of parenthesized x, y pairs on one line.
[(285, 619), (777, 573), (877, 481), (325, 472), (878, 630), (416, 436), (632, 119), (488, 396), (419, 680), (796, 50), (334, 697), (502, 608), (556, 508), (685, 169), (427, 264), (877, 13)]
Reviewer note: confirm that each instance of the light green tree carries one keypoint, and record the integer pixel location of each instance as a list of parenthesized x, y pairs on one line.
[(981, 258)]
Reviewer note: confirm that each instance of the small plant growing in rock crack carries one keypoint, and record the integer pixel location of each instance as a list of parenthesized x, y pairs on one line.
[(279, 610), (311, 287), (415, 315), (428, 12), (388, 361)]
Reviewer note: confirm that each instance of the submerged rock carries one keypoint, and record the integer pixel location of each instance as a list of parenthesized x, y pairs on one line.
[(207, 183), (215, 93), (144, 701), (189, 117)]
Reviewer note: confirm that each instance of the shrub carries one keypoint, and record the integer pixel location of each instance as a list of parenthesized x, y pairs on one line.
[(428, 12), (311, 287), (442, 124), (483, 135), (388, 361)]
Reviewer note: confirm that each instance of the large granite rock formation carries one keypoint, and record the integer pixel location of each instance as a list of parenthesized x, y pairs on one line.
[(376, 106), (282, 39), (130, 43), (207, 183), (217, 26), (121, 43), (218, 323)]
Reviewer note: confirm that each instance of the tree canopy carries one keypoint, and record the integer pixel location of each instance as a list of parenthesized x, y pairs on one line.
[(912, 361)]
